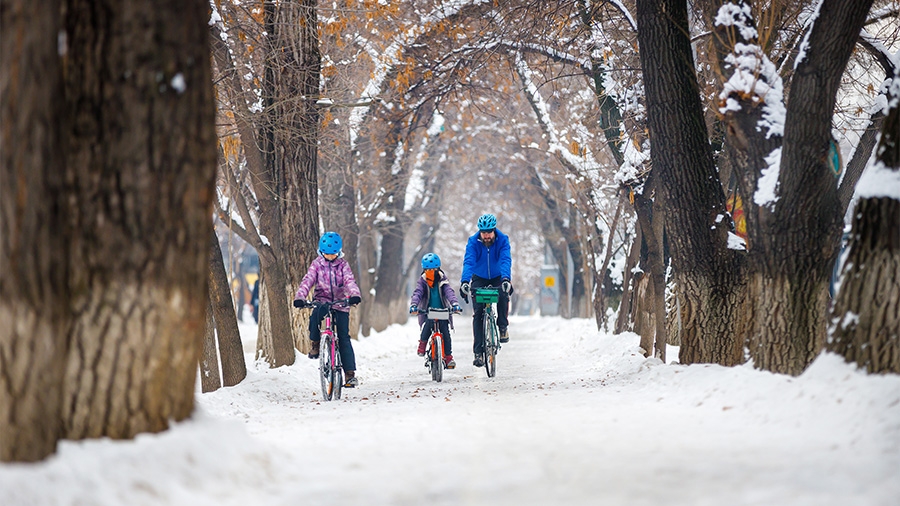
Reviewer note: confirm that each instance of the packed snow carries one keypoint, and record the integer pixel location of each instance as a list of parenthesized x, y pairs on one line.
[(574, 416)]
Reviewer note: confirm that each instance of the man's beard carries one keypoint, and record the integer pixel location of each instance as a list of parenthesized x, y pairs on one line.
[(488, 241)]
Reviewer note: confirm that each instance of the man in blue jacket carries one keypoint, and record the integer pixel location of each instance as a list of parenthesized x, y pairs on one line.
[(487, 263)]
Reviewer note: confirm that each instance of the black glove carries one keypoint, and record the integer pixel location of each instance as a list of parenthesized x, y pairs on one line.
[(464, 291), (506, 286), (456, 309), (413, 309), (356, 299), (300, 303)]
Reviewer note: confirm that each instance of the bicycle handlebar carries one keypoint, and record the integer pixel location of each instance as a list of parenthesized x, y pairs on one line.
[(426, 312), (338, 303)]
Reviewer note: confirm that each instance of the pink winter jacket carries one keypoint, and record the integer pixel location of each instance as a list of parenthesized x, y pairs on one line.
[(332, 281)]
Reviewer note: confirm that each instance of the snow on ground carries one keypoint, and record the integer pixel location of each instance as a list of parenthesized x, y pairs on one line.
[(573, 417)]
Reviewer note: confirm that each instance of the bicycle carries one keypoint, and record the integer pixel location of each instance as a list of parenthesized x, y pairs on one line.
[(489, 296), (331, 374), (434, 350)]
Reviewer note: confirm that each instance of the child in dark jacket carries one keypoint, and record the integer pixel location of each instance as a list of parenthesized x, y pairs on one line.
[(331, 277), (433, 291)]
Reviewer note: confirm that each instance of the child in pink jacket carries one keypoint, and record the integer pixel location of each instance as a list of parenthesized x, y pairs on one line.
[(333, 280)]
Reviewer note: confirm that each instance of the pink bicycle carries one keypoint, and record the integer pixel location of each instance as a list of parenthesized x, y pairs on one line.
[(331, 373)]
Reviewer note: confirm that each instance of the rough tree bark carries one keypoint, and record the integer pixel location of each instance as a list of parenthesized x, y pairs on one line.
[(34, 310), (210, 379), (624, 319), (140, 166), (793, 259), (293, 73), (280, 149), (865, 318), (707, 274), (230, 348)]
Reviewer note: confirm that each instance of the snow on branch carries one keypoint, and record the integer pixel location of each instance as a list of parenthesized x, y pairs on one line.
[(754, 77), (542, 110), (625, 12), (386, 60)]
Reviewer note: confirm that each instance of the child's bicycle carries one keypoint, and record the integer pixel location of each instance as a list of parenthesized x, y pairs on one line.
[(489, 296), (434, 350), (330, 372)]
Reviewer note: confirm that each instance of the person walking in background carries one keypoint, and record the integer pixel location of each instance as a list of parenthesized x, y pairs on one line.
[(487, 262), (433, 290), (254, 300), (333, 280)]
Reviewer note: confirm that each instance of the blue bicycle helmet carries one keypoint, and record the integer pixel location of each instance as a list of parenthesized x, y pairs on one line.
[(330, 243), (487, 222), (431, 261)]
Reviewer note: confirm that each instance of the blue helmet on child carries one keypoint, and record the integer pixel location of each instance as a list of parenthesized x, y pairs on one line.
[(487, 222), (330, 243), (431, 261)]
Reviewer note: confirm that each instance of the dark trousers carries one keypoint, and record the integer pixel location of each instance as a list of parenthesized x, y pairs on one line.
[(478, 316), (342, 321), (444, 327)]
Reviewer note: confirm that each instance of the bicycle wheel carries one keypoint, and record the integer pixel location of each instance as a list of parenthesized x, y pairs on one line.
[(338, 370), (490, 345), (437, 357), (326, 369)]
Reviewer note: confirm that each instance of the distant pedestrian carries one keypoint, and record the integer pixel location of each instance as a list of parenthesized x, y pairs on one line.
[(254, 300)]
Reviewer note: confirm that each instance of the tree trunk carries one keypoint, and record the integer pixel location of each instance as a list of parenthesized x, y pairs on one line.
[(288, 195), (34, 298), (644, 312), (866, 314), (210, 380), (601, 289), (230, 348), (141, 165), (651, 220), (707, 274), (387, 284), (624, 319), (791, 321), (386, 308), (579, 303), (799, 246), (865, 318), (274, 341), (296, 69), (367, 266)]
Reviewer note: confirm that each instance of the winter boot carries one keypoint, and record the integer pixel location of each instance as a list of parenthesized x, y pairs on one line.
[(504, 337), (449, 363), (479, 360), (314, 350), (421, 351), (350, 380)]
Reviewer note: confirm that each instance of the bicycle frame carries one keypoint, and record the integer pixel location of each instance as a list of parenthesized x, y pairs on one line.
[(331, 371), (489, 296), (434, 353)]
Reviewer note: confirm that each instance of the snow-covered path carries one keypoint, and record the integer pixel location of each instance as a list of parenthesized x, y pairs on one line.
[(573, 417)]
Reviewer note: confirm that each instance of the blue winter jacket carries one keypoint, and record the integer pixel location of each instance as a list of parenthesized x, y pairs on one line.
[(484, 262)]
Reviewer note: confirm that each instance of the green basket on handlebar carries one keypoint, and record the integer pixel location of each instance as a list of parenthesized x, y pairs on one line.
[(486, 295)]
